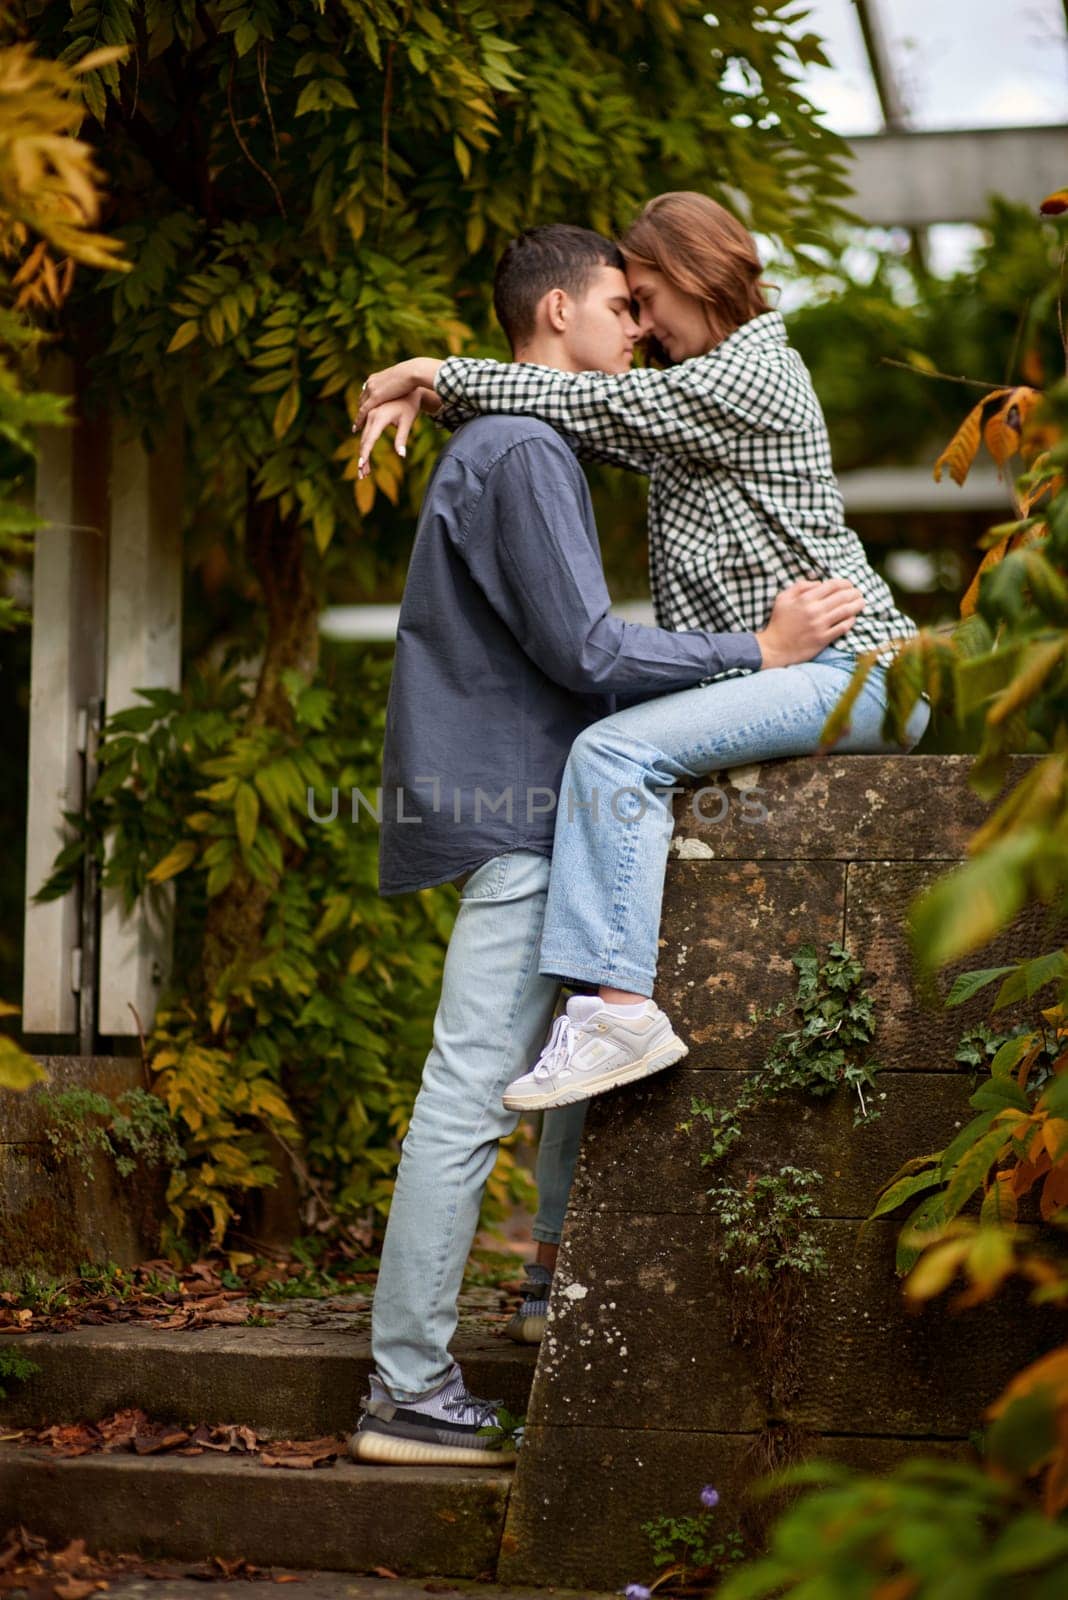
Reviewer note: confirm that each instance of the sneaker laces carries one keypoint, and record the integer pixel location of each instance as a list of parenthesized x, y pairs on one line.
[(558, 1048), (459, 1402)]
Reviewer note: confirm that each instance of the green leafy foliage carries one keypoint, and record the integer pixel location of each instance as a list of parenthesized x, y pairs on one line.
[(829, 1047), (688, 1542), (309, 1046), (15, 1369), (763, 1226), (926, 1529), (136, 1127)]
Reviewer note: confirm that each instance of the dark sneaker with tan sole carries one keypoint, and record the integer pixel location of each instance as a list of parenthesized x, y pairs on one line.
[(445, 1428), (527, 1325)]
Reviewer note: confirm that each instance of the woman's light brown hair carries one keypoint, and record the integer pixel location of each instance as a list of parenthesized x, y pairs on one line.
[(701, 249)]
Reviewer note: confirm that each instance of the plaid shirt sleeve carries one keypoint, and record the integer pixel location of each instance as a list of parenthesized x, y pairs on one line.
[(696, 411), (470, 387)]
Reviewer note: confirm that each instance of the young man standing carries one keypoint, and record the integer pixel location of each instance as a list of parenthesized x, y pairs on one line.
[(506, 650)]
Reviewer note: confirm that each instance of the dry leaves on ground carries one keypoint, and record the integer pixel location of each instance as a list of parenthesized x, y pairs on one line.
[(30, 1568), (134, 1431)]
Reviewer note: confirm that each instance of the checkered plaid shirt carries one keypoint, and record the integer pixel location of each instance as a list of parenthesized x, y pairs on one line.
[(742, 494)]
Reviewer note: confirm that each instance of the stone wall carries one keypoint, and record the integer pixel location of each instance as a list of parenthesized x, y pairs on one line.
[(643, 1393), (56, 1212)]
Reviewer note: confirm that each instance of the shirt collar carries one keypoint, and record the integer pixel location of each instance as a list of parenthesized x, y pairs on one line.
[(768, 328)]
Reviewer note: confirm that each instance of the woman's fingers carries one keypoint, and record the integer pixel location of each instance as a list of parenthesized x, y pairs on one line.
[(375, 425), (404, 428)]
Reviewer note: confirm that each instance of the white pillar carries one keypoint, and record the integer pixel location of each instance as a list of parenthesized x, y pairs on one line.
[(144, 637), (66, 671)]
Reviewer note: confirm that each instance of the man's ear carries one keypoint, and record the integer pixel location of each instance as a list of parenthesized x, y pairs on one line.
[(557, 308)]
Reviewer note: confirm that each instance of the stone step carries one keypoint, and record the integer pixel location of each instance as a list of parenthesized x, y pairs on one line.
[(334, 1586), (286, 1383), (413, 1520)]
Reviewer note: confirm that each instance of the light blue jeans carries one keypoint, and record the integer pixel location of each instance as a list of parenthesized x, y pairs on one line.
[(491, 1021), (614, 818)]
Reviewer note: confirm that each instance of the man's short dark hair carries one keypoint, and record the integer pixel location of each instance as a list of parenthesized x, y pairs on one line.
[(556, 256)]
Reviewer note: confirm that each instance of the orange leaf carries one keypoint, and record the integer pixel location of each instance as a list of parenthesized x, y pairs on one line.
[(960, 451), (1055, 1135), (1027, 1174), (1031, 366), (991, 559), (1048, 1371), (1006, 424), (365, 494), (1054, 1193)]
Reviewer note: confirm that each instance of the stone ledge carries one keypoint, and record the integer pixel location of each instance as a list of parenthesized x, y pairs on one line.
[(283, 1382), (347, 1517), (838, 808)]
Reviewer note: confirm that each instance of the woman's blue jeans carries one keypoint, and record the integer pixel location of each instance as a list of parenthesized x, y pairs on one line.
[(614, 818)]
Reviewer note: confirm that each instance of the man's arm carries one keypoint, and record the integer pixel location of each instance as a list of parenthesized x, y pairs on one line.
[(527, 548)]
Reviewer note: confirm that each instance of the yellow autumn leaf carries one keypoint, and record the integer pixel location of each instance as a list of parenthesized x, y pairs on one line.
[(101, 58), (365, 494), (286, 410), (936, 1269), (184, 334), (960, 451), (175, 861)]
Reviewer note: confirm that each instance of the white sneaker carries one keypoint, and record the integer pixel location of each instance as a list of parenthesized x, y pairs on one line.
[(590, 1050)]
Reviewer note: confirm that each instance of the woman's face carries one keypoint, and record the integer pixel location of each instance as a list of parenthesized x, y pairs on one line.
[(675, 319)]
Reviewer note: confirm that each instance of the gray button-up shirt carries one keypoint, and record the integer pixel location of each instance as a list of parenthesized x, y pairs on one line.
[(505, 651)]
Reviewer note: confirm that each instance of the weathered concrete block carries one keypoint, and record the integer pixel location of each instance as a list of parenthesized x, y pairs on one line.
[(839, 808), (57, 1211), (727, 933), (631, 1137), (646, 1387), (348, 1518)]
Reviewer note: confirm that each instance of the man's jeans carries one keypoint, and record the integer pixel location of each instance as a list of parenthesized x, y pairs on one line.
[(491, 1022), (614, 818), (602, 925)]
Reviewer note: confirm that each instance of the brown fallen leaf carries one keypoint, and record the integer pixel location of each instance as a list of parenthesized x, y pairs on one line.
[(160, 1440), (73, 1556), (385, 1572), (67, 1587), (231, 1316), (235, 1568), (302, 1452)]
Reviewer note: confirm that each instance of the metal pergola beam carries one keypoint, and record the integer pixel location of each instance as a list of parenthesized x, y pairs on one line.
[(914, 180)]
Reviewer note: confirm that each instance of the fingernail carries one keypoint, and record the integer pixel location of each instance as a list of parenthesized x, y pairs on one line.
[(402, 449), (361, 463)]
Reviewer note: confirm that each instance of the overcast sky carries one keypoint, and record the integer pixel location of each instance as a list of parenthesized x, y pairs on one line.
[(959, 63)]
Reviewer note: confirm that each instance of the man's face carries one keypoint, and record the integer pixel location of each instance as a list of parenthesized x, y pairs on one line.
[(601, 333)]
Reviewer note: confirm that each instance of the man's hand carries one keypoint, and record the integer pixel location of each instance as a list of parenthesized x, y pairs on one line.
[(394, 383), (806, 618)]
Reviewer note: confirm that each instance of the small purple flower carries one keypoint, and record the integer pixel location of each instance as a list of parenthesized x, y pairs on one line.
[(709, 1496), (635, 1591)]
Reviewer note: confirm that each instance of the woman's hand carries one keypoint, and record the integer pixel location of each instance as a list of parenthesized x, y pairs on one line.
[(394, 383), (399, 414)]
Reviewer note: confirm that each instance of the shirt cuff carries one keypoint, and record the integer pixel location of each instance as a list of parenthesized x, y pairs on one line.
[(750, 658), (449, 382)]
